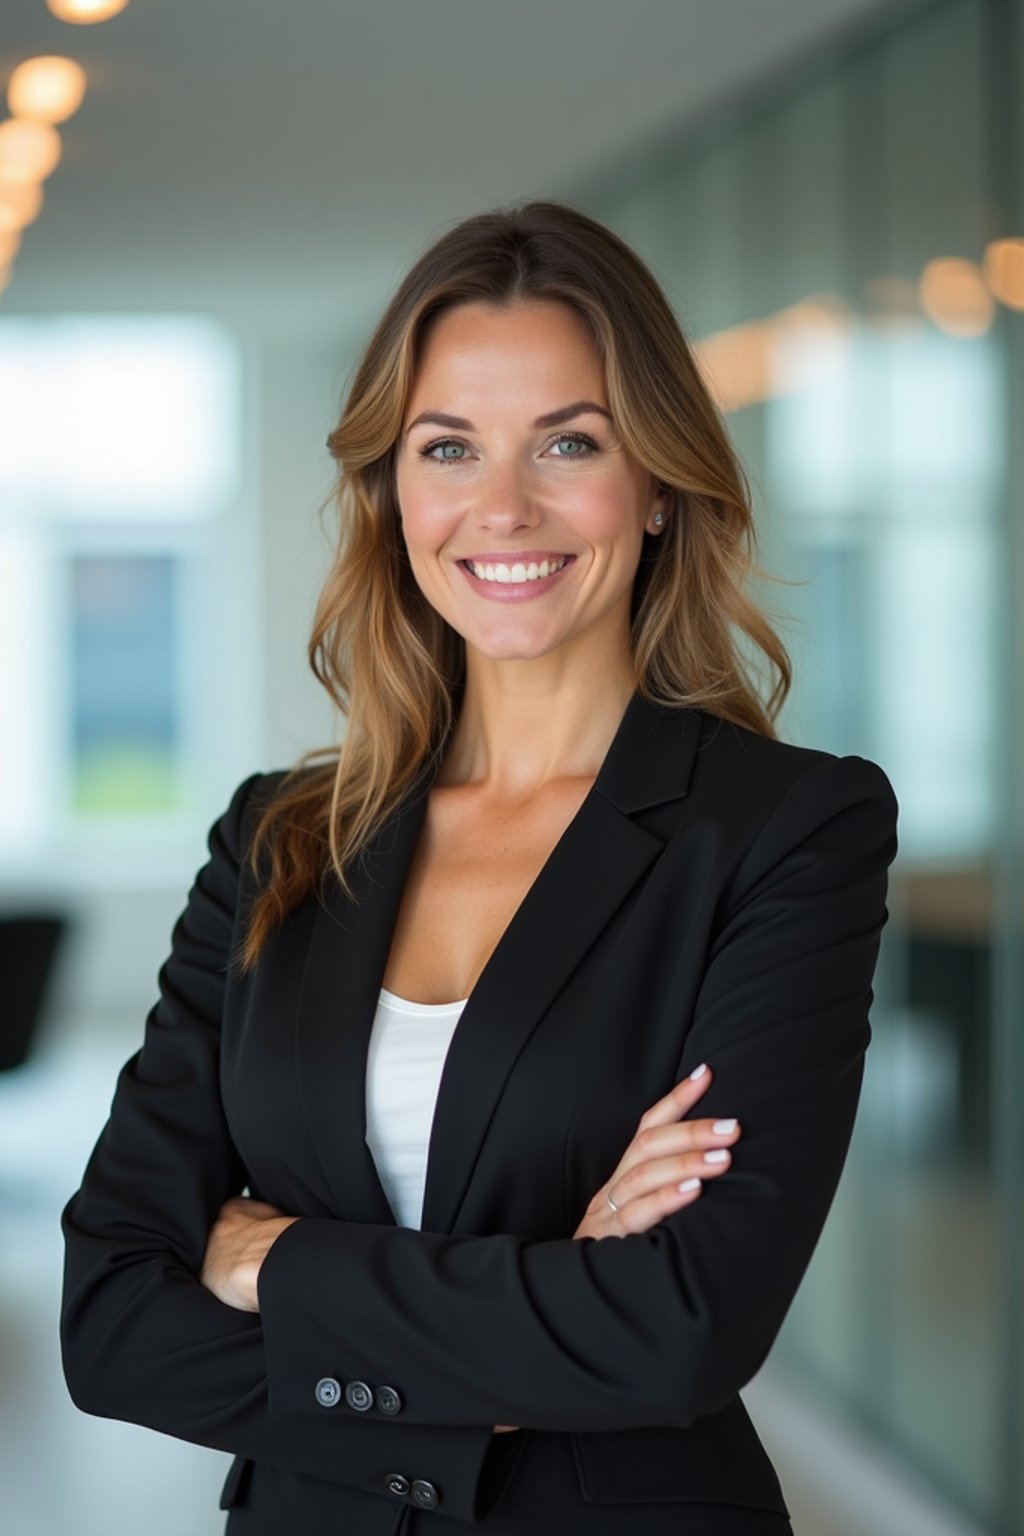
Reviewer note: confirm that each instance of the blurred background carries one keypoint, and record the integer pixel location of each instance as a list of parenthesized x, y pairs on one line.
[(203, 208)]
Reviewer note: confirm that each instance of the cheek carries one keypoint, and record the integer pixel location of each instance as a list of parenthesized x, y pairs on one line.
[(602, 513), (427, 516)]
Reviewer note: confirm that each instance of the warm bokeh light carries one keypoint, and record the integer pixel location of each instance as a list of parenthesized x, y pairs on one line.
[(955, 296), (29, 150), (736, 364), (809, 341), (19, 205), (787, 351), (10, 240), (84, 11), (1003, 264), (49, 88)]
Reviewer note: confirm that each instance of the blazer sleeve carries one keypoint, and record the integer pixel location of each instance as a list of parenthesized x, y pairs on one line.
[(141, 1338), (661, 1327)]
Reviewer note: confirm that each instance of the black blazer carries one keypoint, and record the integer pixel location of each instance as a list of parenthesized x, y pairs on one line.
[(719, 896)]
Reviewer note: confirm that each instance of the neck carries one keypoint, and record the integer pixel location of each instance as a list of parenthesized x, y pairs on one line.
[(516, 734)]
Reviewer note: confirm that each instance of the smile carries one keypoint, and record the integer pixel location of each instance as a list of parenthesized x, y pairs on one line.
[(517, 572), (512, 583)]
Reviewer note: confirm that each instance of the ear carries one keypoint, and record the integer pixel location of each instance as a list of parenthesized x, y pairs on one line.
[(661, 495)]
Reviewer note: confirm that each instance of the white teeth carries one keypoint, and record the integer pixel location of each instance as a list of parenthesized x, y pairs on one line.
[(518, 572)]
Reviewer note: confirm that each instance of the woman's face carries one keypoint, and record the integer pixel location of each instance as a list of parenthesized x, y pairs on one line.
[(526, 469)]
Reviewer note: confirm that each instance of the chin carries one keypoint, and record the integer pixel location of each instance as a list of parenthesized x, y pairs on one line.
[(512, 652)]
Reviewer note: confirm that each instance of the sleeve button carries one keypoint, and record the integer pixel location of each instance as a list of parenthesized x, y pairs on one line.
[(397, 1484), (388, 1400), (328, 1391), (358, 1395), (425, 1494)]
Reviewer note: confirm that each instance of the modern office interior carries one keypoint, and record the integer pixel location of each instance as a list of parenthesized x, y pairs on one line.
[(196, 238)]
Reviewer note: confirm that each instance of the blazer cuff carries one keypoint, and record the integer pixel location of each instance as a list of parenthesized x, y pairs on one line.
[(468, 1467)]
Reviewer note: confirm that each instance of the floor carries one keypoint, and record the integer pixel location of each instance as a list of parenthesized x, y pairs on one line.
[(63, 1473)]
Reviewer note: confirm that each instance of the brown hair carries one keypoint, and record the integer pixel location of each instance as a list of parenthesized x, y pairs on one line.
[(389, 661)]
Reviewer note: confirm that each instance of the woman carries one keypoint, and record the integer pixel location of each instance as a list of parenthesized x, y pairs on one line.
[(562, 855)]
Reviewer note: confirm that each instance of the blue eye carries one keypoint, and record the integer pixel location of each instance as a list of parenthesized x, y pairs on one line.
[(446, 442), (579, 438)]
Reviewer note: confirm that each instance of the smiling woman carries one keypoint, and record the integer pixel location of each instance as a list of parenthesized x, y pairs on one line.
[(514, 479), (440, 1010)]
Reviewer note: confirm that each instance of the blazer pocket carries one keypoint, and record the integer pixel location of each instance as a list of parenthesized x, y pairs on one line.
[(717, 1459), (235, 1483)]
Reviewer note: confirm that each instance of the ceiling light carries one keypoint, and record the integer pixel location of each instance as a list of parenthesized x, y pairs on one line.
[(48, 87), (954, 296), (29, 150), (1004, 271), (85, 11), (19, 205), (10, 239)]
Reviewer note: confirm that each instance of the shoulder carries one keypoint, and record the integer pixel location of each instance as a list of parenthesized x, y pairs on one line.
[(231, 833), (762, 801), (766, 817), (744, 766)]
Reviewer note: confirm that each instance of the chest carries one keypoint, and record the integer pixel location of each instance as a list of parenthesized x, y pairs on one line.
[(474, 863)]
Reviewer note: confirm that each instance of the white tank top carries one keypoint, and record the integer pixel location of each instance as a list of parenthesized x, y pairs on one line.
[(408, 1045)]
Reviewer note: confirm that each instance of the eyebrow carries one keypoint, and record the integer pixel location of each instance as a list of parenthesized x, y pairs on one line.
[(552, 419)]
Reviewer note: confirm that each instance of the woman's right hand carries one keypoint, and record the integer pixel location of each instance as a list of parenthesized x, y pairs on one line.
[(664, 1153)]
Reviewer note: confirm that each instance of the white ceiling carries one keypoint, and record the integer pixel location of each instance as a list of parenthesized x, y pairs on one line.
[(293, 157)]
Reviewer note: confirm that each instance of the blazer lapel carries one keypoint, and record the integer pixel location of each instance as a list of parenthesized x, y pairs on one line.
[(348, 951), (590, 872)]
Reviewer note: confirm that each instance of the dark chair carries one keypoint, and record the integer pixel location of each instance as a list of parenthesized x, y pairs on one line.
[(29, 945)]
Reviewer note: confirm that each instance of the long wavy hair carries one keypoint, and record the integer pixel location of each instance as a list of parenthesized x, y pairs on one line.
[(390, 663)]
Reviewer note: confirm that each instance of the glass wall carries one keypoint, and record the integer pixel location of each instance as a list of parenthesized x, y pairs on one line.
[(830, 251)]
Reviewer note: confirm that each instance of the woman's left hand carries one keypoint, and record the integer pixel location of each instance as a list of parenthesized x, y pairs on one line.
[(239, 1241)]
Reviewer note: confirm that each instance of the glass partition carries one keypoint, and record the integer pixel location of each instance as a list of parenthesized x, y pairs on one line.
[(824, 249)]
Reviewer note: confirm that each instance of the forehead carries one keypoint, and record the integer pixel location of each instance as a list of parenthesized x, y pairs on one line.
[(535, 345)]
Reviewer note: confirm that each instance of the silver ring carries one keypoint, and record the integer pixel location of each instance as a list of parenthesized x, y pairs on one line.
[(611, 1202)]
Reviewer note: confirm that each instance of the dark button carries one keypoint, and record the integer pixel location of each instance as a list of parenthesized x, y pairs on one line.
[(388, 1400), (358, 1395), (425, 1494), (328, 1391), (395, 1483)]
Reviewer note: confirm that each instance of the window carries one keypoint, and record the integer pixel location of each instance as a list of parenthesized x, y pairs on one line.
[(126, 590)]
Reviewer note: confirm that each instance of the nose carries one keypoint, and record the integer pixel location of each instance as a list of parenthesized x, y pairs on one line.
[(506, 502)]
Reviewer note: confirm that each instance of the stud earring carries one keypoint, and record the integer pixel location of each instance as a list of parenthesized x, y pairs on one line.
[(658, 519)]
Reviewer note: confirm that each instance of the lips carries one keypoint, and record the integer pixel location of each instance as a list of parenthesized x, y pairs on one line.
[(515, 591), (481, 567)]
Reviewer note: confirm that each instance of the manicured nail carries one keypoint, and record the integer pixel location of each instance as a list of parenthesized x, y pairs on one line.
[(688, 1184), (720, 1155), (699, 1071), (723, 1127)]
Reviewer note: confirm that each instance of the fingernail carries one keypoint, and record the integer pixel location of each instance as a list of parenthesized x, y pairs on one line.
[(720, 1155), (688, 1184), (699, 1071), (723, 1127)]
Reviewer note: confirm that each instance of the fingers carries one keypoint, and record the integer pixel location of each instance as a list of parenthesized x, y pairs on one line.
[(666, 1164), (650, 1175), (679, 1099), (644, 1212), (661, 1132)]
